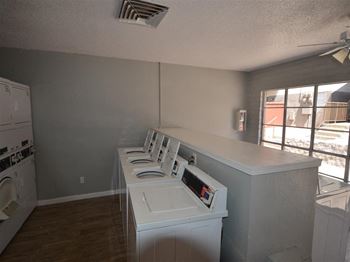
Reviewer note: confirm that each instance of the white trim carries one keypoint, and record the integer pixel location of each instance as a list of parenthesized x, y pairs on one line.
[(77, 197)]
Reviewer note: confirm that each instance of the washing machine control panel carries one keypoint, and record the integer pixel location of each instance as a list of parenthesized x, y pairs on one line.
[(203, 191), (12, 159)]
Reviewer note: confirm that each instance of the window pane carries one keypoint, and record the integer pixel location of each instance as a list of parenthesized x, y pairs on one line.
[(299, 117), (329, 141), (299, 137), (274, 146), (272, 133), (333, 118), (296, 151), (301, 96), (273, 116), (333, 95), (274, 97), (331, 165)]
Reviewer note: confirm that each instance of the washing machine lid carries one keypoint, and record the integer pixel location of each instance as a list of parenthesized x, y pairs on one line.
[(160, 200), (166, 204)]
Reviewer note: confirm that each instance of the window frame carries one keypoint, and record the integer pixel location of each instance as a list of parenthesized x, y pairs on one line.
[(313, 128)]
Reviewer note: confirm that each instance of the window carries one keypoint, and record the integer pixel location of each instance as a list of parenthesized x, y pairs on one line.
[(310, 120)]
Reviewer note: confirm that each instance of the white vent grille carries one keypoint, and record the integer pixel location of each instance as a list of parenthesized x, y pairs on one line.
[(142, 13)]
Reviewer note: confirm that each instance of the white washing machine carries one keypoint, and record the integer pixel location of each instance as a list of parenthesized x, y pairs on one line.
[(178, 221), (169, 170)]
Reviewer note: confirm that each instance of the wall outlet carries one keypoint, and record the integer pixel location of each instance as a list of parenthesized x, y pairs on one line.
[(193, 159), (82, 180)]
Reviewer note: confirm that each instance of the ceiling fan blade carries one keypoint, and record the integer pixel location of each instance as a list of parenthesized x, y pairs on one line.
[(332, 51), (333, 43), (341, 55)]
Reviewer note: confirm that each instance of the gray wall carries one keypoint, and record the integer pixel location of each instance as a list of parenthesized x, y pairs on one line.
[(86, 106), (83, 108), (306, 71), (282, 209), (201, 99)]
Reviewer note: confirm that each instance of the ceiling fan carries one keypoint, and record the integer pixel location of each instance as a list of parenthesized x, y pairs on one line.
[(341, 49)]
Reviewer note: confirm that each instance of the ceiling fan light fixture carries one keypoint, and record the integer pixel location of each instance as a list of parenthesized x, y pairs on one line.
[(341, 55)]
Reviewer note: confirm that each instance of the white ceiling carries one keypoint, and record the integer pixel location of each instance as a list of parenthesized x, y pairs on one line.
[(229, 34)]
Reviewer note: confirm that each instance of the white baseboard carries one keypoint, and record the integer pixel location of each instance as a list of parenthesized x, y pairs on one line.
[(77, 197)]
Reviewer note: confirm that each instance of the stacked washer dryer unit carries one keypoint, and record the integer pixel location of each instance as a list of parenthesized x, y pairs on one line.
[(17, 170)]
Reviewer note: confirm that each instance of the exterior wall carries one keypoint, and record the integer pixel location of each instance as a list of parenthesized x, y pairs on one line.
[(302, 72)]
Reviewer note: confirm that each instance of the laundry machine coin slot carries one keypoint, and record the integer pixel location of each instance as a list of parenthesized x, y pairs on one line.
[(3, 150), (5, 163), (26, 152), (25, 142)]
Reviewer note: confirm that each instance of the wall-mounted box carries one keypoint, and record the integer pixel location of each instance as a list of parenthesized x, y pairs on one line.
[(241, 120)]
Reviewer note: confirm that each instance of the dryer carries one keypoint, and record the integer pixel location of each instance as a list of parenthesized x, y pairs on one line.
[(17, 169), (178, 221)]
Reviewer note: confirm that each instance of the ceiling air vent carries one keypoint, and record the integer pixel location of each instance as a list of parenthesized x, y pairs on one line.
[(142, 13)]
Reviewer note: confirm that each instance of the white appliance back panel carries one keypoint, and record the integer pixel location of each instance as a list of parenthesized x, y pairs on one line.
[(170, 156), (5, 104)]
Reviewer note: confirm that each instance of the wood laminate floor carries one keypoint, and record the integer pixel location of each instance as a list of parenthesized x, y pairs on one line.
[(85, 230)]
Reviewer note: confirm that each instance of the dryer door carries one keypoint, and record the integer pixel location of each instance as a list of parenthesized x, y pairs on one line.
[(8, 197)]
